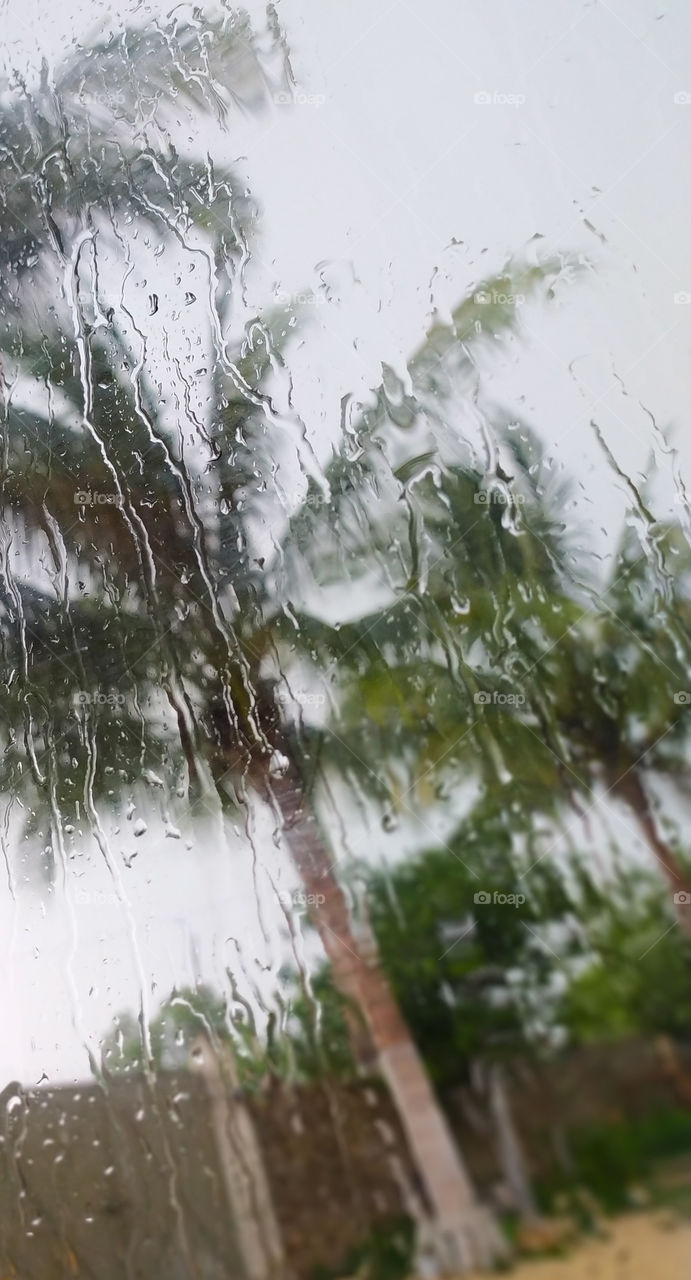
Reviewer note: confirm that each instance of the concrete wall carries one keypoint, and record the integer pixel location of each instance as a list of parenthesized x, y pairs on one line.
[(122, 1185), (598, 1084), (336, 1164), (130, 1184)]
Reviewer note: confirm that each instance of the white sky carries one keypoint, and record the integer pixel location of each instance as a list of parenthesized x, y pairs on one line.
[(366, 190)]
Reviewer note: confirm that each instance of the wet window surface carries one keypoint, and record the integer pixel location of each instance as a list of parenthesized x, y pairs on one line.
[(345, 684)]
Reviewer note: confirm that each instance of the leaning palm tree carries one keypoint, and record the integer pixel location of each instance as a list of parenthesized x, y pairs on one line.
[(523, 675), (181, 661), (616, 691), (167, 610)]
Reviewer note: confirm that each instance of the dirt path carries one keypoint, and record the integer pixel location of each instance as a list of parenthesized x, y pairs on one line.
[(641, 1247)]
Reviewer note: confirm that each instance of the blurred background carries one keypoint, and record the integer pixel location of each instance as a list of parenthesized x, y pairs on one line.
[(345, 592)]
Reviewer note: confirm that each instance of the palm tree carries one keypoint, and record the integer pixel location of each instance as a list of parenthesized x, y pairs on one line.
[(603, 681), (511, 668), (620, 713), (175, 621)]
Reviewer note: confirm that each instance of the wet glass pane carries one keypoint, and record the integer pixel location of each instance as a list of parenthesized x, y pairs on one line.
[(345, 595)]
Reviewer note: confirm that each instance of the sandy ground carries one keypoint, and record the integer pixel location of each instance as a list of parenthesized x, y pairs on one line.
[(641, 1246)]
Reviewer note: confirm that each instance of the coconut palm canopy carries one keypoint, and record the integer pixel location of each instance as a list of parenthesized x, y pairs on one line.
[(172, 584)]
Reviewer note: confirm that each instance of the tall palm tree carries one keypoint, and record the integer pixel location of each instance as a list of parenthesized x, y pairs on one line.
[(175, 620), (187, 610)]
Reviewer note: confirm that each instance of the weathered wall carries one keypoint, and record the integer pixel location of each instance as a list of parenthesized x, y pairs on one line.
[(598, 1084), (336, 1162), (116, 1186), (126, 1185)]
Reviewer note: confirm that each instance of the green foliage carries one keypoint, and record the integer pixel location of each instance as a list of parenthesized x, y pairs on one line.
[(317, 1031), (608, 1158), (473, 979), (310, 1042), (386, 1254), (491, 980), (184, 1015), (636, 975)]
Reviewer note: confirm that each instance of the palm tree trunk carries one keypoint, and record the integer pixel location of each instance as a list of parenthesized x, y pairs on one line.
[(631, 789), (509, 1149), (463, 1234), (240, 1156)]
